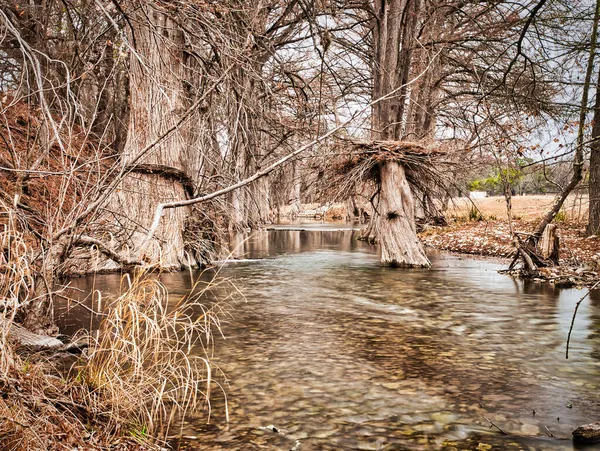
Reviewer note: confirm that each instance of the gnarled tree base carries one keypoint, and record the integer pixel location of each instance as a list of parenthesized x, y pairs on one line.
[(400, 246)]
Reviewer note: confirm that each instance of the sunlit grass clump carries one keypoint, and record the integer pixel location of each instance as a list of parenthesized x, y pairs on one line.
[(148, 364)]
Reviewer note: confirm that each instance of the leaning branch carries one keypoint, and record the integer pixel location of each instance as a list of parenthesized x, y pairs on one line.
[(102, 247)]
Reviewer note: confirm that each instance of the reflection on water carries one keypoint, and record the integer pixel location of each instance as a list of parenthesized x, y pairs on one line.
[(340, 353)]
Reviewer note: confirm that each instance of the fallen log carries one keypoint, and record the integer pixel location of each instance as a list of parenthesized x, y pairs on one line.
[(23, 337), (40, 342)]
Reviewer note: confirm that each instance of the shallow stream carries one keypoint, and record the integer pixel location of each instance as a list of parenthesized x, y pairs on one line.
[(339, 353)]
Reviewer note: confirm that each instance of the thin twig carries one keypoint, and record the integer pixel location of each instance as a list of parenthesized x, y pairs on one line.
[(575, 314), (502, 431)]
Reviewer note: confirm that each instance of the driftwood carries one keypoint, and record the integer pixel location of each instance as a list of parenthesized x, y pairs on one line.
[(537, 252), (363, 160), (39, 342), (20, 335)]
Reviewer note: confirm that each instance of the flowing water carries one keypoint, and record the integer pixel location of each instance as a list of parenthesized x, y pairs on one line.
[(339, 353)]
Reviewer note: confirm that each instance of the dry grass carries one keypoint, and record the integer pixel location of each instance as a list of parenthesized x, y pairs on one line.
[(147, 367), (37, 408), (149, 363), (16, 281), (530, 207)]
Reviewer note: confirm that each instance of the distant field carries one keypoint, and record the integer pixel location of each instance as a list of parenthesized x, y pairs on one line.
[(524, 207)]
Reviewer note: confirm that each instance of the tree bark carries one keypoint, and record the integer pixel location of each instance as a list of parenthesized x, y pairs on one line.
[(260, 199), (393, 221), (594, 184), (245, 124), (386, 76), (549, 248), (400, 246), (157, 99)]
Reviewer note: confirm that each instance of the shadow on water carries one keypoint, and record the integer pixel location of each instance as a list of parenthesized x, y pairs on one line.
[(339, 353)]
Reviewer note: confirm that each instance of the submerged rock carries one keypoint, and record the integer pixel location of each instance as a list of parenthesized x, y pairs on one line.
[(588, 433)]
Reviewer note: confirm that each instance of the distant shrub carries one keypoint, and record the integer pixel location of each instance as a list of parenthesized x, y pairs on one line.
[(561, 216), (458, 218), (475, 214)]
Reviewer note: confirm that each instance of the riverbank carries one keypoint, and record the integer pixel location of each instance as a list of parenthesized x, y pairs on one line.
[(579, 253), (41, 409), (125, 385)]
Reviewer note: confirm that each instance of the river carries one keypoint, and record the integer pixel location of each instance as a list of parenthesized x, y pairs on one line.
[(339, 353)]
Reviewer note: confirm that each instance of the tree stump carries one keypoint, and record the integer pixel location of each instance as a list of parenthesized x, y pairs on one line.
[(550, 243)]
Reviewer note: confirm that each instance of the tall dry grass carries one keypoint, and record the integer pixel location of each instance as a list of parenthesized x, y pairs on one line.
[(148, 365), (16, 281), (146, 369), (37, 411)]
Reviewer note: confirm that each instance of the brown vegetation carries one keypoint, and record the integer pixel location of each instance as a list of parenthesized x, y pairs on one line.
[(59, 180), (130, 381)]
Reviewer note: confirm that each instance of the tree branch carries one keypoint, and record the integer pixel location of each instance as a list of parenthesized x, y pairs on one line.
[(110, 253)]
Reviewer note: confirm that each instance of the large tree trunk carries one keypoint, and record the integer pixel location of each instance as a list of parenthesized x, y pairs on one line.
[(245, 124), (594, 189), (239, 217), (250, 204), (157, 100), (393, 221), (260, 199), (386, 76)]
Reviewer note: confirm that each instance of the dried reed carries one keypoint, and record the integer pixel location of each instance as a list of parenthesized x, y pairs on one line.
[(149, 362), (147, 367), (16, 281)]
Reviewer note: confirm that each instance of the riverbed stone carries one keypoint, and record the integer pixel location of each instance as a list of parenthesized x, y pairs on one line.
[(530, 429), (588, 433)]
